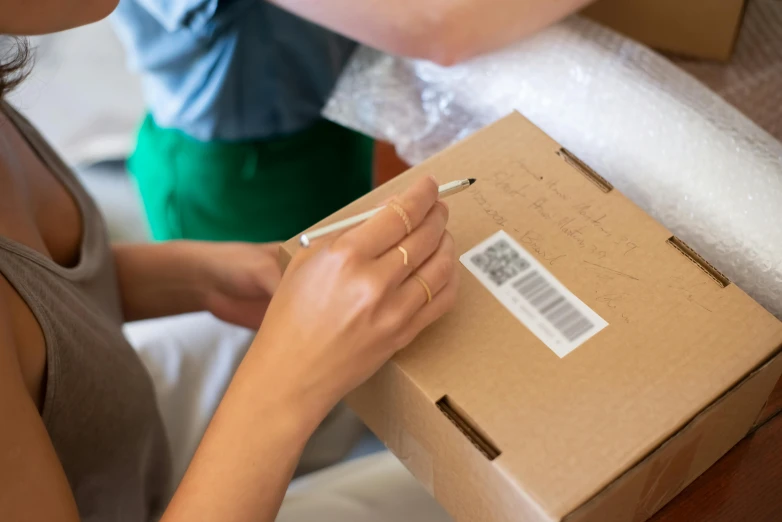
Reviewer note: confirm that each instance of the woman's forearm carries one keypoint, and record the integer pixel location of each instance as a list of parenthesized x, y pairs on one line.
[(445, 31), (335, 319), (249, 452), (159, 279)]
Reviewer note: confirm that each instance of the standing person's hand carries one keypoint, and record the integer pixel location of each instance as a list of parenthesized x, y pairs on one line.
[(344, 308)]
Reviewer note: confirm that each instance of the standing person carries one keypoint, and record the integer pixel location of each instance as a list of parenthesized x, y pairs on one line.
[(234, 146)]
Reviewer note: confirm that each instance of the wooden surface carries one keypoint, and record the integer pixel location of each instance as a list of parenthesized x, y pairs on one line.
[(387, 163), (744, 486)]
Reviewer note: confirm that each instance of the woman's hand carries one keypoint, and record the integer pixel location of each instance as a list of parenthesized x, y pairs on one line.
[(234, 281), (345, 307), (240, 281), (342, 309)]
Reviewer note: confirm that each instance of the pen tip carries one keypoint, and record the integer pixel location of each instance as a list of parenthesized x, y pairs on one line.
[(471, 180)]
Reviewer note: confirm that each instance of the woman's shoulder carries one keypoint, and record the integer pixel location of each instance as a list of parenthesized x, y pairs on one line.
[(22, 344), (12, 308)]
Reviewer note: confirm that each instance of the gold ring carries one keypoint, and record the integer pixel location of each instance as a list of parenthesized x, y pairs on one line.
[(404, 253), (426, 287), (396, 207)]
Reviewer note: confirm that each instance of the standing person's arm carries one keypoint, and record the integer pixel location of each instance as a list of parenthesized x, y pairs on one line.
[(444, 31)]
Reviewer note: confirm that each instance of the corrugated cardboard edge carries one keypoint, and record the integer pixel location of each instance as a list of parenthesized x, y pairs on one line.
[(698, 260), (737, 31), (655, 480), (283, 257)]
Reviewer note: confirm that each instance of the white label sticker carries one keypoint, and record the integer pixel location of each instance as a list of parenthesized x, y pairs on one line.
[(532, 294)]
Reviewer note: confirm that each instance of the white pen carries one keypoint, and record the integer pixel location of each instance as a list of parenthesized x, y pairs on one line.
[(449, 189)]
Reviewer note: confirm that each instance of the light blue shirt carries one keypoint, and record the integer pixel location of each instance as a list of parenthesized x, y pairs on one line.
[(229, 70)]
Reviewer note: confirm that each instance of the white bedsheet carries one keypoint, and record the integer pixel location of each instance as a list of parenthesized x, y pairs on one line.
[(192, 359)]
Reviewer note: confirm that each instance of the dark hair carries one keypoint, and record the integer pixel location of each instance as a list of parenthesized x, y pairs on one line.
[(15, 62)]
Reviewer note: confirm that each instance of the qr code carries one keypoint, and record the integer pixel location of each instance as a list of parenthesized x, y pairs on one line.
[(500, 262)]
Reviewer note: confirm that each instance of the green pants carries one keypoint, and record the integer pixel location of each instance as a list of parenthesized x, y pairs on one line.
[(256, 191)]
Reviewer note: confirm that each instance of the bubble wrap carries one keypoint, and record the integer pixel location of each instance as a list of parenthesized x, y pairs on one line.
[(673, 146)]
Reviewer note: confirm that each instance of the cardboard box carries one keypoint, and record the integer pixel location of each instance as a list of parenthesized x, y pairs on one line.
[(502, 418), (695, 28)]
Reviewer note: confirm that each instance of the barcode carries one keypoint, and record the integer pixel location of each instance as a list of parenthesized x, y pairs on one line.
[(553, 306), (527, 289), (500, 262)]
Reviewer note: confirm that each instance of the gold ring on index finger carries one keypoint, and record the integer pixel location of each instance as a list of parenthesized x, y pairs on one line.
[(396, 207)]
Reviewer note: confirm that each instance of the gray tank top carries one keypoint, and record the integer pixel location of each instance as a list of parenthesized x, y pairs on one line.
[(99, 408)]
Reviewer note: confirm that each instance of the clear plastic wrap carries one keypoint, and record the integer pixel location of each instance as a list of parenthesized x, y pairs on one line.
[(669, 143)]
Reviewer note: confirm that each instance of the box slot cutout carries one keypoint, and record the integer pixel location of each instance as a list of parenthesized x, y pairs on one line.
[(599, 181), (701, 263), (468, 428)]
